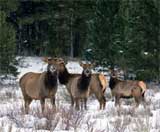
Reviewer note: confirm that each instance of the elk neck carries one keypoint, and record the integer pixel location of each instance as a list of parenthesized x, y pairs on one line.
[(50, 79), (64, 76), (112, 82), (83, 82)]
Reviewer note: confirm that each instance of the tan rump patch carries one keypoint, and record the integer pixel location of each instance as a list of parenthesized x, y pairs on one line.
[(143, 86), (103, 82)]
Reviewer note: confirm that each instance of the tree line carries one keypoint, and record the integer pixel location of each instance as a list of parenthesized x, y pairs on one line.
[(122, 33)]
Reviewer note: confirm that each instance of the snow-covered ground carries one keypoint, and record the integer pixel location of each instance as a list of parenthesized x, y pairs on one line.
[(127, 118)]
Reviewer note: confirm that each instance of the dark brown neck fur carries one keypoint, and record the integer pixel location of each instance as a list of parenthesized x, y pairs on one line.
[(83, 82), (64, 76), (112, 82), (50, 80)]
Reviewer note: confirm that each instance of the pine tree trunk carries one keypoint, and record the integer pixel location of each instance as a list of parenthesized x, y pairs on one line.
[(71, 45), (20, 40)]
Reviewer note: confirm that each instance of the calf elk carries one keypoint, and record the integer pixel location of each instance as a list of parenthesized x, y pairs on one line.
[(80, 86), (97, 83), (39, 86), (126, 89)]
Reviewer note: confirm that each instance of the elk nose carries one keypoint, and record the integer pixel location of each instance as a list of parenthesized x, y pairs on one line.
[(87, 71), (53, 68)]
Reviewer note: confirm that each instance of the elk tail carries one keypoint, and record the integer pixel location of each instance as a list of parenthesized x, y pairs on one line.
[(143, 86), (103, 82)]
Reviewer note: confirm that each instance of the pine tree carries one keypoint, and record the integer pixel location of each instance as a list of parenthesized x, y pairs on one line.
[(67, 26), (32, 20), (140, 38), (7, 46), (101, 29), (125, 33)]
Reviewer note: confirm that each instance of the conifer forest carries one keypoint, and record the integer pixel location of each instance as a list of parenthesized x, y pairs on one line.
[(122, 33)]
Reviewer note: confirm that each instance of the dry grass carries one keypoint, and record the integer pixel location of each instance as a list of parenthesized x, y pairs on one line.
[(65, 118), (142, 124), (71, 118)]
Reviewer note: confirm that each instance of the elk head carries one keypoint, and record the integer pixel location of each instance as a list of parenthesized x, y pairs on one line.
[(60, 64), (52, 64), (86, 69)]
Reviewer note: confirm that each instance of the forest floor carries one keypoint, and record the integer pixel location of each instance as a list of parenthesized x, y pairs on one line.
[(127, 118)]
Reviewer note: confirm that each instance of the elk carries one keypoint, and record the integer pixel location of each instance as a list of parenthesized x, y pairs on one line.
[(80, 86), (40, 86), (97, 86), (126, 89)]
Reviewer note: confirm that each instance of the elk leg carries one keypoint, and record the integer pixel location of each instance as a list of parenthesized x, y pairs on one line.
[(82, 104), (72, 101), (85, 103), (117, 98), (77, 104), (112, 96), (100, 102), (104, 102), (144, 101), (42, 104), (137, 100), (27, 103), (53, 102)]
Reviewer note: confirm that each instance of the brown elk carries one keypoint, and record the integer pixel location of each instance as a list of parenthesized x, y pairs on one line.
[(80, 86), (39, 86), (97, 87), (126, 89)]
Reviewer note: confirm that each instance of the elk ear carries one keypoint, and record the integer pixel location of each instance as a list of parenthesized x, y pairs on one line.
[(47, 60), (89, 65), (114, 73), (65, 61), (55, 59), (93, 64), (60, 61), (111, 71), (81, 64)]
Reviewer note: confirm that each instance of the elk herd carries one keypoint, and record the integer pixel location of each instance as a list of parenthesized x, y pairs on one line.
[(39, 86)]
